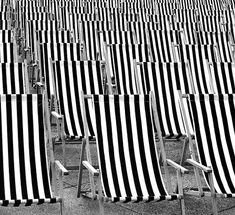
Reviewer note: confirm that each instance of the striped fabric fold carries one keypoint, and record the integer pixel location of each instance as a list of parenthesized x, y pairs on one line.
[(71, 78), (214, 119), (8, 53), (128, 161), (24, 174)]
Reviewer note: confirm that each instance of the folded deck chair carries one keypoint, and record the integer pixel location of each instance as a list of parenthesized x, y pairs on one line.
[(198, 57), (161, 42), (8, 53), (213, 119), (88, 34), (129, 170), (13, 77), (55, 51), (70, 78), (223, 40), (164, 80), (24, 165), (121, 65), (222, 77)]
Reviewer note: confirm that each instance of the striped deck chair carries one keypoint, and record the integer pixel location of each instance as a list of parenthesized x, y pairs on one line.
[(70, 78), (198, 56), (53, 51), (8, 53), (162, 21), (126, 152), (38, 16), (24, 166), (210, 23), (5, 25), (221, 39), (115, 37), (164, 80), (6, 36), (121, 65), (13, 78), (140, 30), (222, 77), (161, 43), (88, 34), (213, 118), (119, 21)]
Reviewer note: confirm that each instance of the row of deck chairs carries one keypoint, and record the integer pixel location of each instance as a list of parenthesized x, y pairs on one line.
[(144, 61)]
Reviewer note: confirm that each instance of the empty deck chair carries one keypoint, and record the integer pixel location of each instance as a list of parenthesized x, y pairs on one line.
[(213, 119), (223, 40), (198, 56), (120, 60), (129, 170), (8, 53), (53, 51), (88, 35), (24, 165), (70, 78), (222, 77), (115, 37), (161, 43), (13, 78), (164, 80)]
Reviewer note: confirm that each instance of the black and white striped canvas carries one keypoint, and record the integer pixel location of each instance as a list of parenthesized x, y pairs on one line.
[(128, 161), (71, 78), (6, 36), (12, 77), (223, 77), (121, 65), (23, 161), (56, 51), (213, 117), (164, 80), (198, 56), (8, 53)]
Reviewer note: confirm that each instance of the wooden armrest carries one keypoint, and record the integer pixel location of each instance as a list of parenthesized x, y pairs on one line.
[(176, 166), (90, 168), (56, 115), (61, 167), (39, 84), (200, 166)]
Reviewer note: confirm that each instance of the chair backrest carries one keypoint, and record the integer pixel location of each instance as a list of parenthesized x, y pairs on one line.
[(213, 118), (70, 79), (198, 57), (55, 51), (121, 65), (164, 80), (161, 44), (223, 77), (23, 153), (126, 148), (12, 77)]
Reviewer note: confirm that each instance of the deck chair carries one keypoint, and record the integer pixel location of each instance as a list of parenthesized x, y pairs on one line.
[(198, 57), (120, 60), (13, 78), (210, 23), (5, 25), (70, 78), (88, 31), (24, 164), (223, 40), (55, 51), (118, 20), (129, 170), (8, 53), (222, 77), (161, 43), (213, 126), (164, 80), (140, 30), (115, 37)]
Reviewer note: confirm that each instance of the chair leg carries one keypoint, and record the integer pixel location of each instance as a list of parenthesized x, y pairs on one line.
[(185, 148), (182, 206), (62, 208), (101, 199), (214, 206)]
